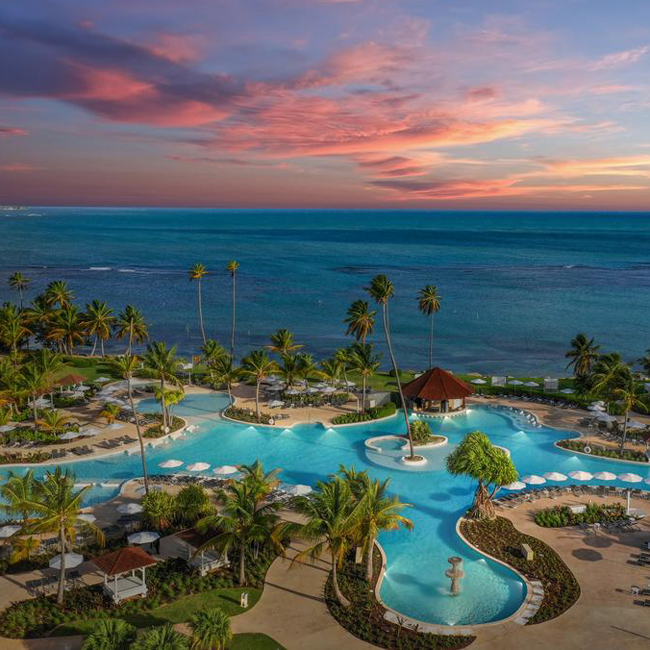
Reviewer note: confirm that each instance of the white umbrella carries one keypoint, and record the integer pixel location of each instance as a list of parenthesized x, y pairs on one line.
[(145, 537), (70, 435), (275, 403), (130, 509), (292, 391), (8, 531), (274, 389), (579, 475), (225, 469), (596, 407), (479, 381), (605, 417), (7, 427), (533, 479), (170, 463), (82, 388), (102, 380), (88, 518), (89, 431), (635, 424), (329, 389), (567, 391), (71, 561), (297, 490), (555, 476), (516, 382), (198, 467), (630, 478), (517, 485), (313, 390), (605, 476), (531, 384)]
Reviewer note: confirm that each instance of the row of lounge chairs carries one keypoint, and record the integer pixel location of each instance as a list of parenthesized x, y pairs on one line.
[(115, 442), (533, 494)]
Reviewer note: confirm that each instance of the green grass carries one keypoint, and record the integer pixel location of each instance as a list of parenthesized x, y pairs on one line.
[(77, 366)]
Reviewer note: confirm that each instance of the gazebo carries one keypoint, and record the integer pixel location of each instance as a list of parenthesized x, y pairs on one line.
[(204, 561), (119, 569), (437, 391)]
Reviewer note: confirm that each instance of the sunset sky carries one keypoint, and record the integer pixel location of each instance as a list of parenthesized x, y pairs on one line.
[(426, 104)]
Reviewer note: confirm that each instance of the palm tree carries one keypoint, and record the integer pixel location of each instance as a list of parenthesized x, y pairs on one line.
[(360, 320), (381, 290), (98, 321), (332, 517), (197, 272), (645, 362), (330, 369), (223, 372), (609, 373), (158, 510), (58, 293), (110, 413), (583, 355), (232, 267), (49, 363), (212, 351), (13, 329), (163, 637), (342, 355), (67, 328), (282, 342), (38, 316), (126, 367), (261, 482), (53, 420), (429, 304), (56, 509), (631, 397), (18, 282), (32, 384), (110, 634), (131, 323), (162, 361), (257, 365), (242, 522), (290, 368), (211, 629), (16, 492), (364, 361), (306, 365)]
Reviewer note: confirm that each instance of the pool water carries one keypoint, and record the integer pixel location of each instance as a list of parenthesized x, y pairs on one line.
[(414, 583)]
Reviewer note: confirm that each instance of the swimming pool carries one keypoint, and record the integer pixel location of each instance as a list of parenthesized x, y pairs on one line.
[(414, 582)]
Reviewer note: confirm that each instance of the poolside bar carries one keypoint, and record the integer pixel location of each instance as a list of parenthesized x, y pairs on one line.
[(437, 391)]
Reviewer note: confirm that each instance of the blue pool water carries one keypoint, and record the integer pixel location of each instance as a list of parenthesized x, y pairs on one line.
[(414, 583)]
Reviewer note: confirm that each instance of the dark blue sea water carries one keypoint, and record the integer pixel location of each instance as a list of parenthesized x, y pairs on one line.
[(516, 286)]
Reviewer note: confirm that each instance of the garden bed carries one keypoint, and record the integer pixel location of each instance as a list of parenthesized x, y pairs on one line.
[(247, 415), (579, 445), (560, 516), (374, 413), (500, 539)]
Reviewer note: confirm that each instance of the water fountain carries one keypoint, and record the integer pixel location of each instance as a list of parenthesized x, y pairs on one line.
[(455, 574)]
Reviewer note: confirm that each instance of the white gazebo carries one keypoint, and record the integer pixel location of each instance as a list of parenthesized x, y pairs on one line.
[(120, 578), (206, 560)]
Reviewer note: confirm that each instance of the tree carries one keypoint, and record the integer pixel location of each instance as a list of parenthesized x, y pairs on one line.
[(257, 365), (330, 369), (56, 509), (381, 291), (158, 510), (232, 267), (645, 362), (32, 384), (110, 634), (610, 373), (18, 282), (631, 397), (16, 493), (211, 629), (126, 366), (162, 362), (192, 503), (53, 420), (364, 361), (49, 363), (583, 355), (282, 342), (479, 459), (13, 329), (261, 482), (429, 304), (163, 637), (67, 328), (222, 372), (342, 355), (212, 351), (110, 413), (58, 293), (306, 365), (131, 324), (198, 272), (98, 322), (360, 320), (290, 368)]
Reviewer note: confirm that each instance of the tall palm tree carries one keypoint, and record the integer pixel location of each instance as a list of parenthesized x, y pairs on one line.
[(306, 365), (67, 328), (582, 355), (56, 509), (18, 282), (332, 516), (282, 342), (131, 324), (330, 369), (429, 304), (13, 329), (360, 320), (223, 372), (162, 637), (609, 373), (244, 520), (211, 629), (162, 361), (212, 351), (342, 355), (364, 361), (38, 316), (58, 293), (381, 291), (32, 384), (16, 492), (232, 267), (261, 482), (49, 363), (631, 397), (198, 272), (98, 322), (110, 634), (257, 365), (290, 368)]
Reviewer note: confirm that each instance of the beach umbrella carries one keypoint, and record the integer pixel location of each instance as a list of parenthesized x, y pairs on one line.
[(89, 431), (273, 389), (531, 384), (596, 407), (533, 479), (313, 390), (129, 509), (555, 476), (479, 382), (7, 427), (144, 537), (579, 475), (605, 476), (516, 382), (82, 388), (71, 561), (630, 478), (567, 391), (292, 391), (198, 467), (296, 490), (102, 380), (8, 531), (275, 403), (635, 424), (329, 389), (170, 463), (605, 417), (70, 435), (87, 517), (225, 469), (517, 485)]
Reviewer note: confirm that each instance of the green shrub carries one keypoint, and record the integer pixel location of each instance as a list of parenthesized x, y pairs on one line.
[(628, 454), (420, 431), (247, 415), (560, 516), (373, 413)]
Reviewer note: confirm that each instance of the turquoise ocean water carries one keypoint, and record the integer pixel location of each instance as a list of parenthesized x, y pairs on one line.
[(516, 286)]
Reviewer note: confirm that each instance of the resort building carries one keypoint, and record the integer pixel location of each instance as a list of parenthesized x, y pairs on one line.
[(203, 560), (437, 391), (120, 578)]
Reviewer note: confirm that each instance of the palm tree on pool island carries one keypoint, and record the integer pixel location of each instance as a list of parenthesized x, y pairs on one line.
[(198, 272), (18, 282), (429, 304), (258, 365), (381, 290), (232, 267), (162, 361)]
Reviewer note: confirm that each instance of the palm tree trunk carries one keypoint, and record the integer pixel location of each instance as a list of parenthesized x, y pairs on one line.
[(369, 560), (201, 314), (59, 594), (365, 399), (34, 410), (103, 352), (145, 474), (624, 433), (242, 565), (397, 379), (257, 400), (92, 352), (234, 309), (431, 342), (335, 583), (162, 403), (229, 387), (130, 342)]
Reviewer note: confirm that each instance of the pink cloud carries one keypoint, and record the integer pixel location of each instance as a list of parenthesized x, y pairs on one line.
[(16, 167), (8, 131), (620, 58), (179, 48)]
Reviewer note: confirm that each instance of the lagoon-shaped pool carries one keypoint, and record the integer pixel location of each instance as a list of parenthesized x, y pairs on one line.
[(414, 583)]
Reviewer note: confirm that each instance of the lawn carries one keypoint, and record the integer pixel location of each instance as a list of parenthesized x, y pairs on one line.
[(91, 369), (253, 642)]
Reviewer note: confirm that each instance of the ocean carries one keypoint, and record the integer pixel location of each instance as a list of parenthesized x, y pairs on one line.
[(516, 286)]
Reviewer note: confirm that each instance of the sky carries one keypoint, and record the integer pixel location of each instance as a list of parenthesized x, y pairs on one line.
[(413, 104)]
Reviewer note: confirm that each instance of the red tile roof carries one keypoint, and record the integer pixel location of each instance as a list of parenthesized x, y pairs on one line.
[(437, 384), (126, 559)]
